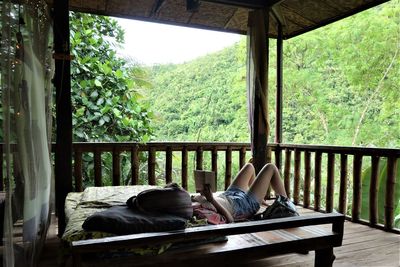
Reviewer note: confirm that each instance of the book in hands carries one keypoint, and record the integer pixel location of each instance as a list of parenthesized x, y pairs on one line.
[(202, 178)]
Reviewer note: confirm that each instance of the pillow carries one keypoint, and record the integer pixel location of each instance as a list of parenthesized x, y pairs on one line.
[(121, 220), (171, 199)]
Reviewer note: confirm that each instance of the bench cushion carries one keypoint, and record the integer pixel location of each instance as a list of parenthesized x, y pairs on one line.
[(121, 220)]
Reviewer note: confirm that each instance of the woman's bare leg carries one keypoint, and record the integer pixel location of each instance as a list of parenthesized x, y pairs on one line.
[(245, 177), (269, 174)]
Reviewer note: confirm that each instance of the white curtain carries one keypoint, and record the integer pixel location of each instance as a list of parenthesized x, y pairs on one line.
[(26, 73), (257, 71)]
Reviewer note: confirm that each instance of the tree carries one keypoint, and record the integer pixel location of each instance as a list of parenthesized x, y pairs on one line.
[(105, 96)]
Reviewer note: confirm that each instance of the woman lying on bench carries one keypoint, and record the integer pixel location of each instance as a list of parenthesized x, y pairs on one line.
[(244, 196)]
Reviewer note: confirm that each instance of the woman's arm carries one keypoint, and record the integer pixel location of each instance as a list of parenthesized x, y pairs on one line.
[(209, 195)]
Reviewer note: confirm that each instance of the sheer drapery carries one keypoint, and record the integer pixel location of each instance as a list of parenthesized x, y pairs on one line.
[(26, 73), (257, 72)]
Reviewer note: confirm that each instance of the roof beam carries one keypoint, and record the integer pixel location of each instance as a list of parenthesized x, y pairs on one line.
[(254, 4)]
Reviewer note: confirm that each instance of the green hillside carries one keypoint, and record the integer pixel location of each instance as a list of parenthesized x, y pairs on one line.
[(341, 87)]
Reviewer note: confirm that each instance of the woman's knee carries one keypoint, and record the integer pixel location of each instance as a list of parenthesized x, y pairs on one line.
[(269, 167)]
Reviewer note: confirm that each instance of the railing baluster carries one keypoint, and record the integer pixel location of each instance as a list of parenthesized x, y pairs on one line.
[(214, 164), (390, 186), (168, 165), (307, 178), (317, 181), (343, 184), (228, 167), (242, 157), (135, 165), (185, 168), (97, 168), (357, 164), (116, 161), (286, 175), (278, 157), (152, 166), (373, 191), (268, 155), (330, 185), (1, 169), (199, 158), (78, 170), (297, 163)]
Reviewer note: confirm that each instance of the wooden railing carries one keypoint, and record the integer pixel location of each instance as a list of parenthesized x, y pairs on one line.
[(304, 165), (323, 178), (150, 149)]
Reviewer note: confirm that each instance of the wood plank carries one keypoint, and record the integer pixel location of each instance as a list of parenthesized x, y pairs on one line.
[(296, 190), (184, 168), (116, 168), (62, 82), (307, 178), (97, 168), (286, 173), (242, 157), (203, 232), (78, 170), (228, 167), (343, 184), (168, 165), (199, 158), (357, 164), (373, 191), (317, 181), (330, 185), (389, 196), (214, 164), (151, 166), (135, 165)]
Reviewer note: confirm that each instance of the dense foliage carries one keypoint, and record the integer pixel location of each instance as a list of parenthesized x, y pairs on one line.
[(341, 87), (105, 94)]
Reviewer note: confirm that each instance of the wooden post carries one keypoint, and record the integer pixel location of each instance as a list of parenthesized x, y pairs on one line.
[(1, 169), (296, 189), (357, 164), (62, 82), (330, 185), (151, 166), (135, 165), (78, 170), (343, 184), (228, 167), (307, 178), (317, 181), (279, 98), (390, 186), (242, 157), (168, 165), (260, 130), (199, 158), (116, 163), (286, 174), (373, 191), (185, 168), (214, 164), (97, 168)]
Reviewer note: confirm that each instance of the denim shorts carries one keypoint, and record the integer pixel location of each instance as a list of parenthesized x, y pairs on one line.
[(244, 205)]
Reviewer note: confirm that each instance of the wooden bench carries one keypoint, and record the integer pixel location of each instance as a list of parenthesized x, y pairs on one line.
[(246, 241)]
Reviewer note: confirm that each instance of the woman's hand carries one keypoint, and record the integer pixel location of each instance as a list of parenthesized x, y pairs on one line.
[(207, 193)]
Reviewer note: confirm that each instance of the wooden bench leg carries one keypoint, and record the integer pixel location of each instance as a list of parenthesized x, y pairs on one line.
[(324, 257)]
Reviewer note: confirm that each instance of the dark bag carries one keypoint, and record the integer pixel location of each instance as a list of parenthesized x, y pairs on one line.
[(282, 207), (171, 199)]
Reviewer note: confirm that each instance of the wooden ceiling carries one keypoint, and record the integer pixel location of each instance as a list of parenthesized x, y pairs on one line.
[(296, 16)]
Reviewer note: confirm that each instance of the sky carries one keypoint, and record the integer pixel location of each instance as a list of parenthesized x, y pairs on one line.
[(153, 43)]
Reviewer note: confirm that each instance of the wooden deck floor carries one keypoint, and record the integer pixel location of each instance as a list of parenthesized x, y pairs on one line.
[(362, 246)]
